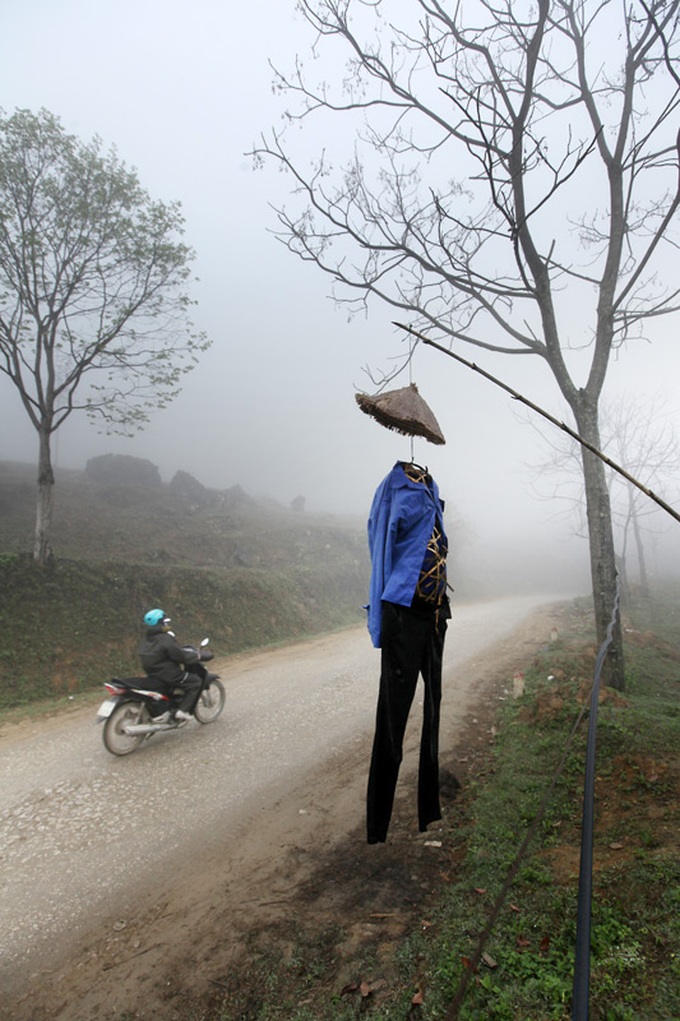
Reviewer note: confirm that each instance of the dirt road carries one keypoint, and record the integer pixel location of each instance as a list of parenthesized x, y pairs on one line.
[(126, 881)]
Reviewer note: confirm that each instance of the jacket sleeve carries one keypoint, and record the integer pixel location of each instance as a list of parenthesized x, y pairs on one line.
[(378, 544), (174, 651)]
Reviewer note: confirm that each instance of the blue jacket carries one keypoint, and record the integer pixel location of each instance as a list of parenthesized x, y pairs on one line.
[(400, 524)]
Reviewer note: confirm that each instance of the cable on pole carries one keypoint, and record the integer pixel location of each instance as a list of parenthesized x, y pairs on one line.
[(581, 988)]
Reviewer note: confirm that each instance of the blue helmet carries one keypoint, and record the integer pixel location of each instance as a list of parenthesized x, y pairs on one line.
[(154, 617)]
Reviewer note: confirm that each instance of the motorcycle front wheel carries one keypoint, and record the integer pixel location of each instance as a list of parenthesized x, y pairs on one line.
[(210, 703), (116, 740)]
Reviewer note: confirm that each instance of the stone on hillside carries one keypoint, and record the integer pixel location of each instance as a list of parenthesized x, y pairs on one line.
[(185, 485), (123, 470), (234, 498)]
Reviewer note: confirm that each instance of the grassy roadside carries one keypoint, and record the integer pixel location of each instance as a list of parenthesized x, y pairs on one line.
[(246, 572), (527, 966), (527, 969), (76, 624)]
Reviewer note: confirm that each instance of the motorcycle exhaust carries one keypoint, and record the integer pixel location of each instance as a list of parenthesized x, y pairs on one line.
[(151, 728)]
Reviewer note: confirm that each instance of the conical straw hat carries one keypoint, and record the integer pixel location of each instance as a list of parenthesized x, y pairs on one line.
[(403, 410)]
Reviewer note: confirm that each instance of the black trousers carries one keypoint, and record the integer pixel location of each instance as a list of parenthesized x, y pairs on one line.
[(191, 685), (412, 642)]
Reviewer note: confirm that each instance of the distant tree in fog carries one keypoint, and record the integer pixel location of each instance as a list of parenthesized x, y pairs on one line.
[(506, 175), (93, 289), (639, 436)]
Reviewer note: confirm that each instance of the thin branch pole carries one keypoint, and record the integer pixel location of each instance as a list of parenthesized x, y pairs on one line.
[(555, 421)]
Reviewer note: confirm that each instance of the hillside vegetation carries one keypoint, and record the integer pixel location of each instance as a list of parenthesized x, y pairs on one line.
[(245, 572)]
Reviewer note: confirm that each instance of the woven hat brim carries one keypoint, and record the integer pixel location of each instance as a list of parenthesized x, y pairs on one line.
[(404, 411)]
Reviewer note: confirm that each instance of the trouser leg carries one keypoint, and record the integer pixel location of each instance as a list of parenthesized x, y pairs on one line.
[(191, 687), (402, 638), (428, 773)]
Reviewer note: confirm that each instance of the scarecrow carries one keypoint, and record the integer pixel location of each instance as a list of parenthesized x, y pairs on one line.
[(408, 610)]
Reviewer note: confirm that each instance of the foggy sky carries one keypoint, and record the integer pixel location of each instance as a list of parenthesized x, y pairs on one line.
[(182, 88)]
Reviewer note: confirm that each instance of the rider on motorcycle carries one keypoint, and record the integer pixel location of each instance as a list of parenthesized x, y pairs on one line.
[(164, 660)]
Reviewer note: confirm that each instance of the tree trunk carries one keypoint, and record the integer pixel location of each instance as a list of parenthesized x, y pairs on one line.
[(642, 565), (600, 532), (42, 551)]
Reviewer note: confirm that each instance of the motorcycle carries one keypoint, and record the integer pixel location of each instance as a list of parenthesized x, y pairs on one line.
[(134, 711)]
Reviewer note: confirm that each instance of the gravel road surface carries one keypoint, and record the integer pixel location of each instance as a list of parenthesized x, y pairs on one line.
[(79, 828)]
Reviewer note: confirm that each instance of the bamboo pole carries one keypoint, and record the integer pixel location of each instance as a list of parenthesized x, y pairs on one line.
[(540, 411)]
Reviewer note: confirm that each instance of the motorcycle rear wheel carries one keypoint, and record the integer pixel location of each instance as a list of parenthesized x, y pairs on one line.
[(210, 703), (116, 740)]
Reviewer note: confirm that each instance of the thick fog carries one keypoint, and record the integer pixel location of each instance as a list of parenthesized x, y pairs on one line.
[(183, 89)]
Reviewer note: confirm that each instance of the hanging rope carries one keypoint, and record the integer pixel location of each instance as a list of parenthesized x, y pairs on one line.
[(412, 348), (555, 421)]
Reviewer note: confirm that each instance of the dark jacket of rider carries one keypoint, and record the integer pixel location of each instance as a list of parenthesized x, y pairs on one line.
[(162, 657)]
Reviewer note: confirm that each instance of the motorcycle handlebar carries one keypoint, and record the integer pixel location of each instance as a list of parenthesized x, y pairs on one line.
[(200, 652)]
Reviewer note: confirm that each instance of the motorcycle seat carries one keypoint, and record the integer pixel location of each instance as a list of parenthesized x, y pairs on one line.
[(145, 683)]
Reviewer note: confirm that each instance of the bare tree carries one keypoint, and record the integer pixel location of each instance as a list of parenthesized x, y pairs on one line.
[(648, 446), (512, 185), (93, 302)]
